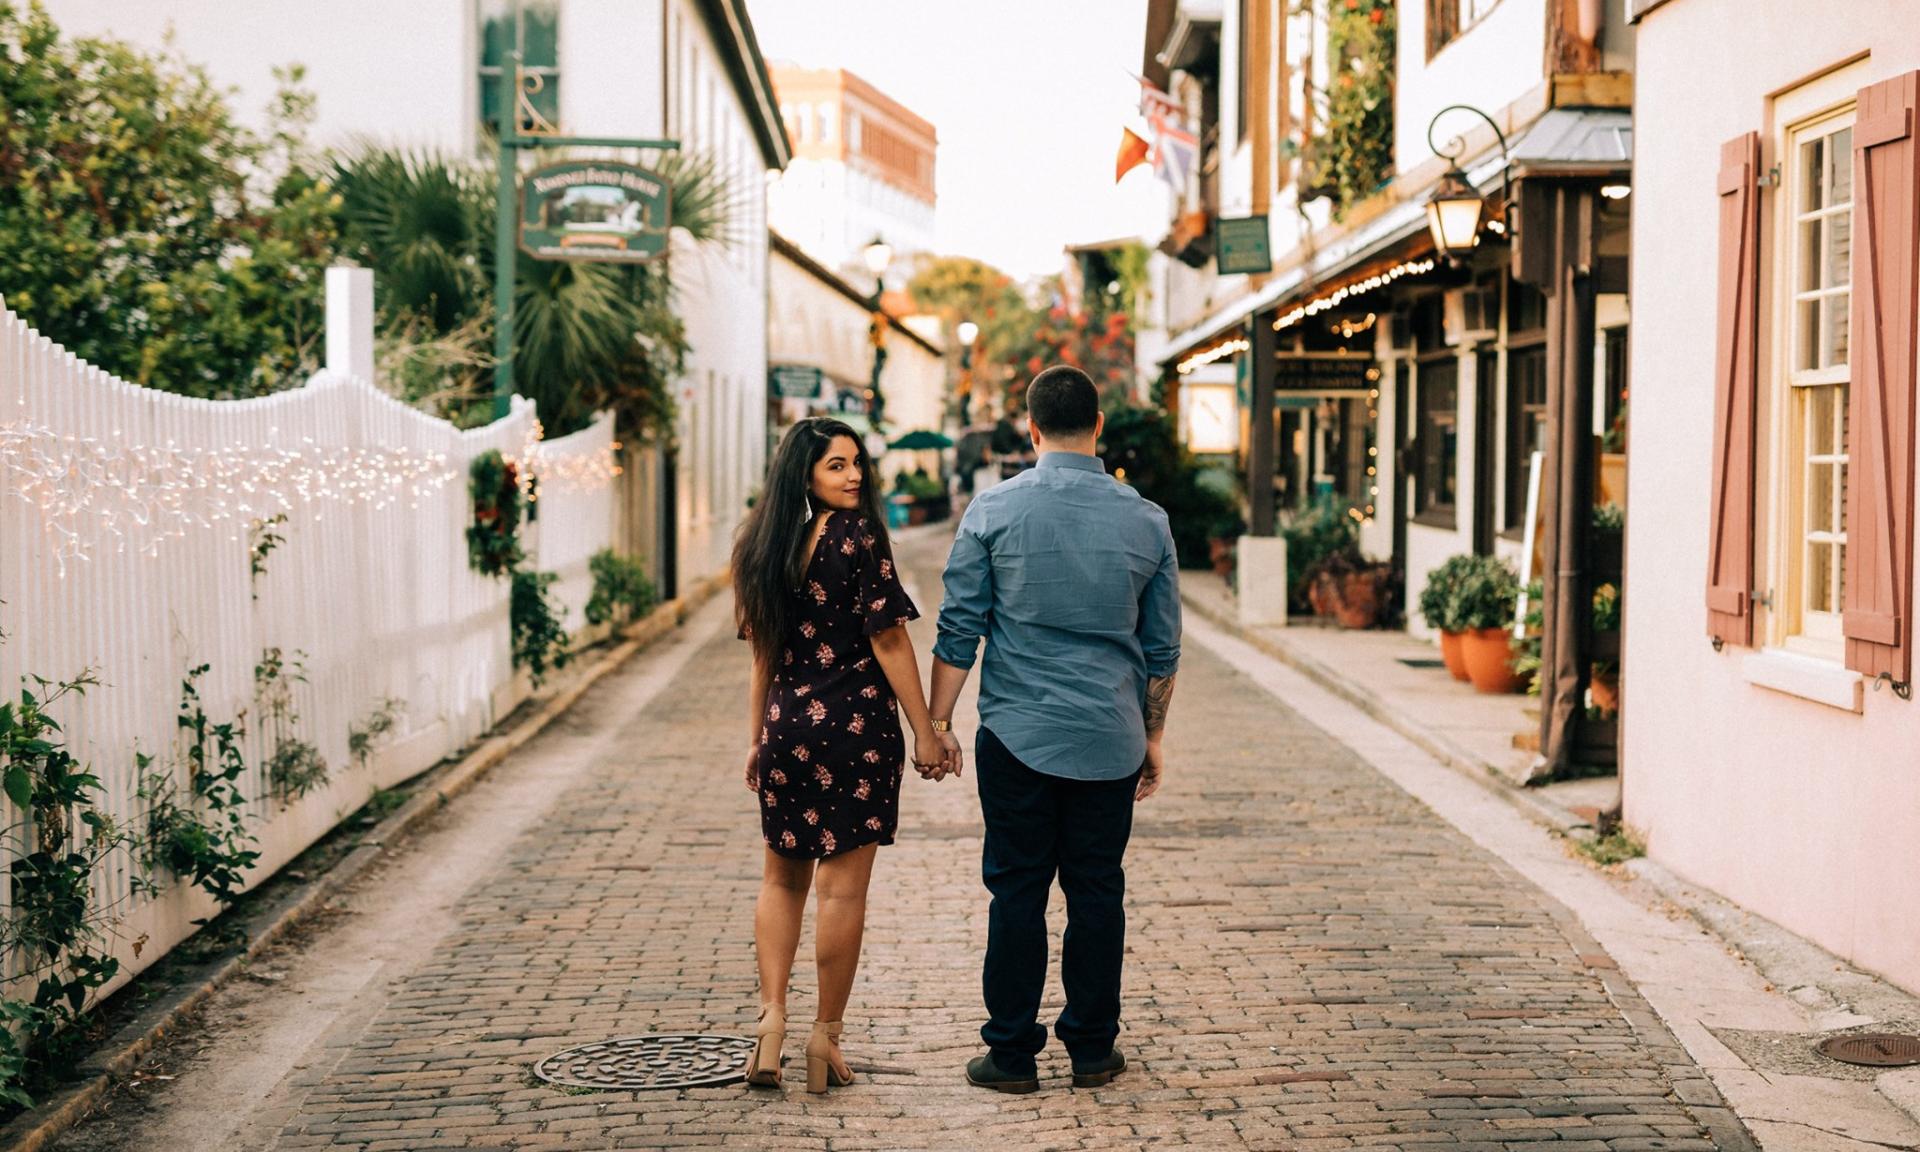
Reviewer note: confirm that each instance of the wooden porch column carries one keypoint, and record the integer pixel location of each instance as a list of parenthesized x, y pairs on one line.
[(1260, 446)]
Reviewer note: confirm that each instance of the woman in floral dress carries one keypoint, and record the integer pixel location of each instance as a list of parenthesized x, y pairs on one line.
[(821, 603)]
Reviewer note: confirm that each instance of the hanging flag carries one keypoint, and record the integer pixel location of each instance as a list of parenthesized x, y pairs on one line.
[(1133, 153), (1175, 152)]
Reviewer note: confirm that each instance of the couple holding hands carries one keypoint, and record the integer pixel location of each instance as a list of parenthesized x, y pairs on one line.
[(1071, 579)]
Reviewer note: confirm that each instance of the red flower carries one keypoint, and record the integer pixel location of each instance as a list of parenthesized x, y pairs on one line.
[(777, 776), (873, 822), (826, 840), (1378, 15), (857, 725), (773, 713), (821, 776), (768, 797), (864, 790), (801, 754), (871, 757), (816, 711), (824, 654), (810, 816)]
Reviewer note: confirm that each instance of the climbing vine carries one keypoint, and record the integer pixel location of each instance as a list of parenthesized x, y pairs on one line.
[(294, 766), (51, 938), (539, 636), (262, 539), (200, 836)]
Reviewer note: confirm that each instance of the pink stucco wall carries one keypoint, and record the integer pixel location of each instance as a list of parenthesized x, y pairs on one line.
[(1805, 813)]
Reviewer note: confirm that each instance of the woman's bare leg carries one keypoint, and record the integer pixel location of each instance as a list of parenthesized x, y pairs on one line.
[(776, 922), (841, 920)]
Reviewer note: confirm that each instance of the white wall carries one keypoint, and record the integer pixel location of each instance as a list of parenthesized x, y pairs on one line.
[(1789, 807), (407, 73), (1489, 65)]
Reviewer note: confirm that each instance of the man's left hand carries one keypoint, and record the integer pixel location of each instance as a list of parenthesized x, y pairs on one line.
[(1150, 771)]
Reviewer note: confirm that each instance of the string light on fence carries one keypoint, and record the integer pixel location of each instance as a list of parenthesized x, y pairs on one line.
[(86, 488), (1340, 295), (542, 467)]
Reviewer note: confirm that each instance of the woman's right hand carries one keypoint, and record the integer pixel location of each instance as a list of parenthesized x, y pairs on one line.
[(753, 768)]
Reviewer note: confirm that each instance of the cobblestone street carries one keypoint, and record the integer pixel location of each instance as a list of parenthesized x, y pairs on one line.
[(1317, 960)]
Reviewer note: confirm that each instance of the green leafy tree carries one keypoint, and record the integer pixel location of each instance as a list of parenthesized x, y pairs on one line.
[(143, 228)]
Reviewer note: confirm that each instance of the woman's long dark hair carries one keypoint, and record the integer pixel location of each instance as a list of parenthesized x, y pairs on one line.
[(770, 556)]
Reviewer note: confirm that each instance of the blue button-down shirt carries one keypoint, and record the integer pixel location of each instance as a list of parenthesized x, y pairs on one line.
[(1071, 578)]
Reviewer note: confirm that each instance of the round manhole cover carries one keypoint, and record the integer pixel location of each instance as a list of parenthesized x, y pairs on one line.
[(1874, 1049), (653, 1061)]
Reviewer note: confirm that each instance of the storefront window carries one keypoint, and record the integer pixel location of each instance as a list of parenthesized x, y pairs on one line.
[(1526, 426), (1438, 439)]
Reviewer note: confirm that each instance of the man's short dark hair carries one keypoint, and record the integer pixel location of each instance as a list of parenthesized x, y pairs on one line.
[(1062, 401)]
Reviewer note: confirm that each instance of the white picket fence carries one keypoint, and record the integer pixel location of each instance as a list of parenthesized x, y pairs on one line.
[(370, 592)]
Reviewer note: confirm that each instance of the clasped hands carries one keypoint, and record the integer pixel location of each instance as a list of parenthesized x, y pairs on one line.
[(950, 761)]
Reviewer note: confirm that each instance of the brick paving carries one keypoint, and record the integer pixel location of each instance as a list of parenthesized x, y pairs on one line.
[(1316, 961)]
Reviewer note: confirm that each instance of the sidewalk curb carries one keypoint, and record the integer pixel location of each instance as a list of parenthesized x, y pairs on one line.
[(37, 1128), (1691, 1084)]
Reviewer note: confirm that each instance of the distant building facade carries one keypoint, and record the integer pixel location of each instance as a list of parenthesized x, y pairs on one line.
[(863, 167)]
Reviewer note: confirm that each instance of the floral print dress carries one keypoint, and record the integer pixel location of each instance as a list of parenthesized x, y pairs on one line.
[(831, 752)]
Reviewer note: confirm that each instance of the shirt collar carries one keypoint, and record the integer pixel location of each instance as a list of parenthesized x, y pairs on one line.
[(1079, 460)]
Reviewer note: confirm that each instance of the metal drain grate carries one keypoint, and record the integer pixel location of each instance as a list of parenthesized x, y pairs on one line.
[(649, 1062), (1422, 662), (1873, 1049)]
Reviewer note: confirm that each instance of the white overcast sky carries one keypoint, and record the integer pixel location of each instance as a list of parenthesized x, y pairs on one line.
[(1028, 98)]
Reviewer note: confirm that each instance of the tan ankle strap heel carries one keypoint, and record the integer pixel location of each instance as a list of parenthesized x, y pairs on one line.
[(764, 1068), (822, 1070)]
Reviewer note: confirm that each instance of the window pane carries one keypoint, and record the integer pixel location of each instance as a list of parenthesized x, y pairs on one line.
[(1807, 255), (496, 31), (1833, 343), (1839, 259), (1819, 575), (490, 100), (1840, 165), (547, 99), (1820, 514), (540, 28), (1819, 420), (1813, 172), (1807, 334)]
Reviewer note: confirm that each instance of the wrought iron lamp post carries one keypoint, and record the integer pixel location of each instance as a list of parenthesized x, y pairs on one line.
[(968, 332), (1455, 207), (878, 255)]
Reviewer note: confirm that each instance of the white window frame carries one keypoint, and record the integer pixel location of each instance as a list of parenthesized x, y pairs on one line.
[(1821, 106), (488, 75)]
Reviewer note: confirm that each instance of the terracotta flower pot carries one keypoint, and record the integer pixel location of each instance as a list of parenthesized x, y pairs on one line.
[(1454, 654), (1321, 596), (1489, 655), (1356, 599), (1605, 689), (1221, 550)]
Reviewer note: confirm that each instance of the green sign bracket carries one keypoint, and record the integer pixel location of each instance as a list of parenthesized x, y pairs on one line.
[(506, 223)]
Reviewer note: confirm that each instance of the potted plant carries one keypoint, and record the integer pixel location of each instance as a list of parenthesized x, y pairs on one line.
[(1603, 678), (1484, 603), (1223, 541), (1354, 590), (1437, 609)]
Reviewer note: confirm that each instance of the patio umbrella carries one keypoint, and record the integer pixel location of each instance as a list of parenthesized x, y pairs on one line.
[(921, 440)]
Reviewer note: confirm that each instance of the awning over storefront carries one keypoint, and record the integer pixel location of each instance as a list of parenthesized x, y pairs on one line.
[(1562, 141)]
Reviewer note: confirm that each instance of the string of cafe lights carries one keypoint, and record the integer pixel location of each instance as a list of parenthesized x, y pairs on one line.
[(1312, 307), (1345, 292), (86, 488)]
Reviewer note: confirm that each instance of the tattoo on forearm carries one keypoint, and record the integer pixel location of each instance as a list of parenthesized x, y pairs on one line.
[(1159, 697)]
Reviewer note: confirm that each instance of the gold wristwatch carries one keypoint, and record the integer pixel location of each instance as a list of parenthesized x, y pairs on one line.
[(943, 725)]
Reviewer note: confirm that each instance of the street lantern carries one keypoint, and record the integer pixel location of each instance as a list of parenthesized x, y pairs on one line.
[(1455, 208), (968, 332), (878, 255), (1453, 214)]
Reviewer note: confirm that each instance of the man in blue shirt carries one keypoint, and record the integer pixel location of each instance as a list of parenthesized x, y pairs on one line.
[(1070, 577)]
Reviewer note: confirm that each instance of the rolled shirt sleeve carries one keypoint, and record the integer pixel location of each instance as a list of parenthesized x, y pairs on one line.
[(1159, 630), (969, 592)]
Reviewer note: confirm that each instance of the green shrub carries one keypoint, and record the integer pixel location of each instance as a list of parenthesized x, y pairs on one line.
[(1314, 537), (1437, 598), (1486, 595), (621, 590)]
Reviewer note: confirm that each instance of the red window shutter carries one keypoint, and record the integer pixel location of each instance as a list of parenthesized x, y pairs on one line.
[(1730, 559), (1877, 615)]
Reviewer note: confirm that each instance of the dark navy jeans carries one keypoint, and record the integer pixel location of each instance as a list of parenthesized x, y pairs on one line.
[(1039, 826)]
